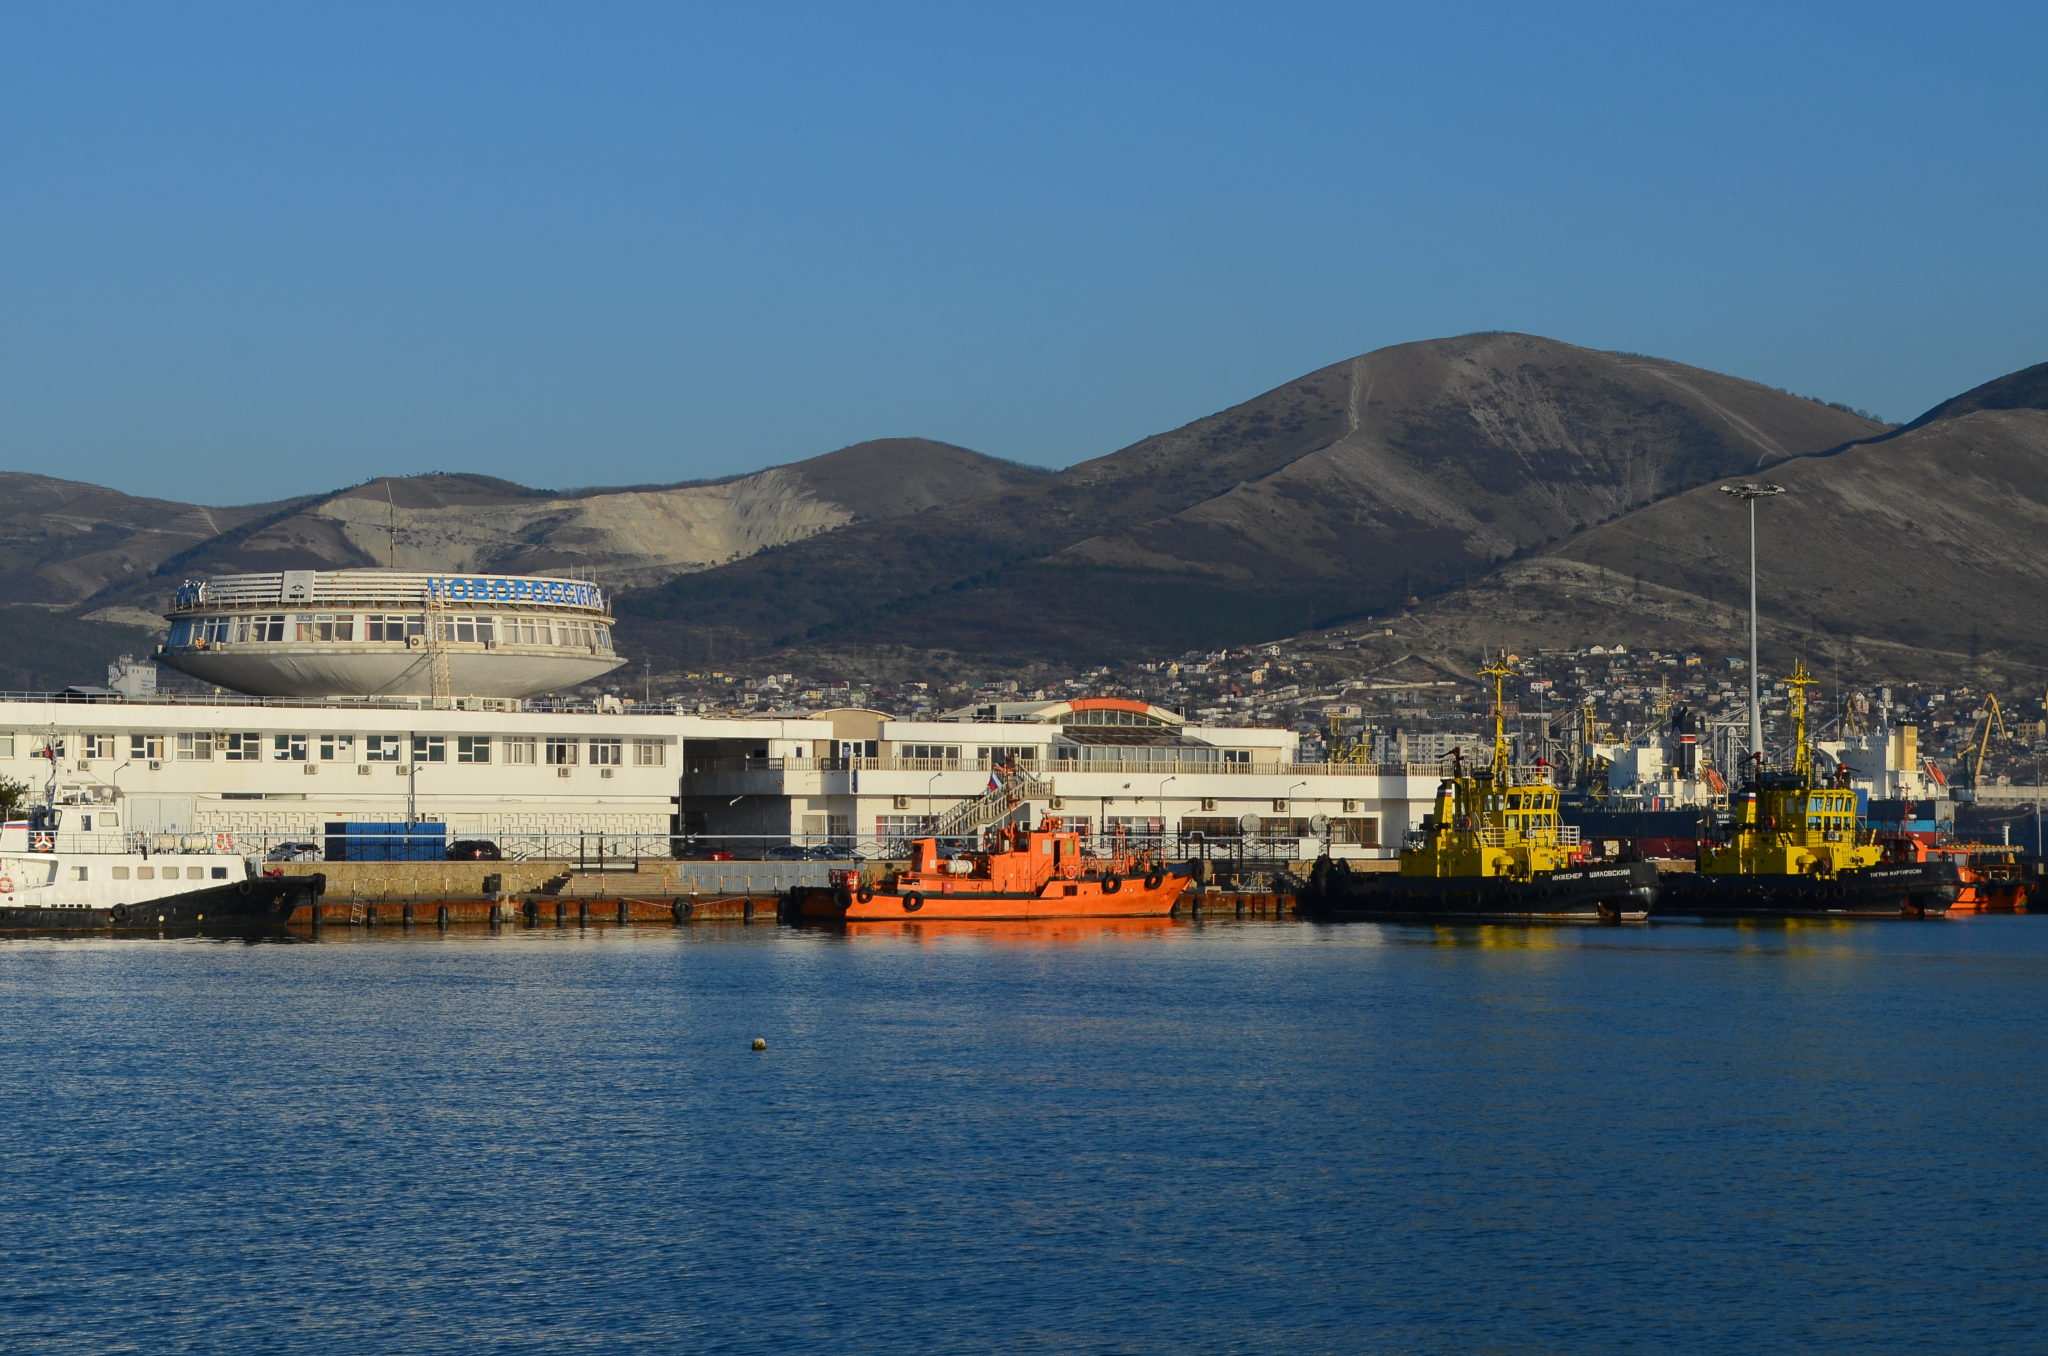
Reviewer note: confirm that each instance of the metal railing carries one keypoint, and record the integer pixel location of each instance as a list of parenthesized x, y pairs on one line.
[(1066, 767), (596, 850)]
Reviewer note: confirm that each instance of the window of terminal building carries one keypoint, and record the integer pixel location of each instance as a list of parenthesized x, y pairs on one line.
[(243, 747), (1237, 757), (605, 753), (1358, 831), (382, 749), (98, 746), (288, 748), (472, 748), (430, 748), (327, 626), (1134, 828), (467, 628), (146, 747), (519, 750), (337, 748), (896, 828), (947, 755), (6, 743), (561, 751), (196, 747), (649, 752), (1007, 755)]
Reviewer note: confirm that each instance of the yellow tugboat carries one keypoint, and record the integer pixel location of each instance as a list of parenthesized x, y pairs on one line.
[(1492, 849), (1792, 847)]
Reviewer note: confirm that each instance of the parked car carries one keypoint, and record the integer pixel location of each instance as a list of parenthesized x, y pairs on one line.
[(690, 850), (293, 852), (474, 850)]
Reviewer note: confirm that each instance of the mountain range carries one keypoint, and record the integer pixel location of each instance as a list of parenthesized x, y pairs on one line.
[(1486, 485)]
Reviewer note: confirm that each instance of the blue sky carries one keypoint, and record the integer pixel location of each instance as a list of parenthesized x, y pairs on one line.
[(249, 251)]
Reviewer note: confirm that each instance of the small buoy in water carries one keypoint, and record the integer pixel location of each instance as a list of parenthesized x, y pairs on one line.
[(760, 1044)]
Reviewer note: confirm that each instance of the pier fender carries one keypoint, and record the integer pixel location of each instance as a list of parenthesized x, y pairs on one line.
[(866, 893), (1154, 878), (679, 910), (531, 908), (1111, 883), (120, 913), (841, 896), (912, 903), (441, 916)]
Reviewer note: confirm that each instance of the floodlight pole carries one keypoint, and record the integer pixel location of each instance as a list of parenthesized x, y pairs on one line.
[(1749, 492)]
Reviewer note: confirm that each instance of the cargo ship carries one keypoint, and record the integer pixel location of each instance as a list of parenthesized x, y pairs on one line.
[(1492, 849), (60, 876), (1025, 874), (1795, 847)]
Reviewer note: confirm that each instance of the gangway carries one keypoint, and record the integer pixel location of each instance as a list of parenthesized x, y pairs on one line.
[(1010, 789)]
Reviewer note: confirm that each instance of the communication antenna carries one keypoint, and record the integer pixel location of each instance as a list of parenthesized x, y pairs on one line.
[(391, 525), (1318, 825), (1249, 823)]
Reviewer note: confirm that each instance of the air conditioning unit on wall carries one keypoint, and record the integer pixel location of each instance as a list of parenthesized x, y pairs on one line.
[(312, 768), (902, 803)]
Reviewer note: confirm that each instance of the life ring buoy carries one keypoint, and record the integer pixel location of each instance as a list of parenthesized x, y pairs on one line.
[(865, 894), (42, 842), (223, 842), (1112, 883), (912, 903), (1154, 878)]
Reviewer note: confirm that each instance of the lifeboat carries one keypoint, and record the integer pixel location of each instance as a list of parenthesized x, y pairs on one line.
[(1025, 874)]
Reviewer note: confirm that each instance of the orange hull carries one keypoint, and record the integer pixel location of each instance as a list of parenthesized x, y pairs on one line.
[(1060, 899)]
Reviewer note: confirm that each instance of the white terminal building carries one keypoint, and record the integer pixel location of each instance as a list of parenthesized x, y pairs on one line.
[(382, 696)]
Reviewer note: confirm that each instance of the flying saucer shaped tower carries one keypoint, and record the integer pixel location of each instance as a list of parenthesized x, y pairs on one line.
[(390, 633)]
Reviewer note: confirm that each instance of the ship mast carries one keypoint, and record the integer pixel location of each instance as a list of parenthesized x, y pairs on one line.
[(1802, 752), (1498, 669)]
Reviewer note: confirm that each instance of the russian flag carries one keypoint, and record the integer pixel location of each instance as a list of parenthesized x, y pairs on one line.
[(995, 783)]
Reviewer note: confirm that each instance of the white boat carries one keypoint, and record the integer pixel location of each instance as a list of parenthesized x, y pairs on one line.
[(57, 874)]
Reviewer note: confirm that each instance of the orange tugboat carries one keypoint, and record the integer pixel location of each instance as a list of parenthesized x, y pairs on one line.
[(1994, 876), (1025, 874)]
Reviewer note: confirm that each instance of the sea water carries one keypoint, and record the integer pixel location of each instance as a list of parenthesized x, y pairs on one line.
[(1151, 1137)]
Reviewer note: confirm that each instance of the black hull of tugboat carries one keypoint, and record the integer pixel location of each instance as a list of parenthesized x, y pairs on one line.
[(1911, 890), (1623, 892), (264, 902)]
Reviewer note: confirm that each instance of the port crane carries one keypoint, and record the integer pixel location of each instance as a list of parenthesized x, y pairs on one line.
[(1974, 756)]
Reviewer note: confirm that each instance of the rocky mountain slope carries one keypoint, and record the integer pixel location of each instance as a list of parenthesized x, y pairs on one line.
[(1923, 544), (1407, 470), (99, 556)]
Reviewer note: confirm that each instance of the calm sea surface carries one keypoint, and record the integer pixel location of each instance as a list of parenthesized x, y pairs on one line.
[(1251, 1136)]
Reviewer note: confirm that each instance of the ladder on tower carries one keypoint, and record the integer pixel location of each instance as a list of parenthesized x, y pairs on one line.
[(443, 687), (1010, 789)]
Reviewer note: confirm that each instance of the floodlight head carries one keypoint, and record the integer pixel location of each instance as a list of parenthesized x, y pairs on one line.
[(1751, 489)]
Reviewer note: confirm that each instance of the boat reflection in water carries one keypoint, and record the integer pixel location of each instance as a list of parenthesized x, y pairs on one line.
[(1030, 932)]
